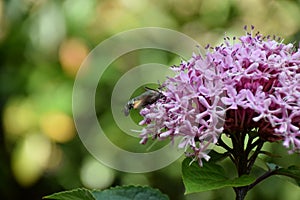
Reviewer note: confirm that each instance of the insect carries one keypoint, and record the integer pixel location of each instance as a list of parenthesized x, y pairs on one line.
[(150, 96)]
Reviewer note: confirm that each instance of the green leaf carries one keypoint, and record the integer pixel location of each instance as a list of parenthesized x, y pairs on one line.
[(117, 193), (129, 193), (76, 194), (292, 171), (272, 155), (209, 177), (216, 156)]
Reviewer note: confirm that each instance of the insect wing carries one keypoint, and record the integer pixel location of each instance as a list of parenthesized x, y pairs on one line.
[(138, 103)]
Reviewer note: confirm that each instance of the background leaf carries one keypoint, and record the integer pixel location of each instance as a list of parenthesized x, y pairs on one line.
[(130, 193), (77, 194), (209, 177), (117, 193), (292, 171), (216, 156)]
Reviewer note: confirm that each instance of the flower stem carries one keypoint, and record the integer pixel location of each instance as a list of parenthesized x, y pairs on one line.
[(255, 154), (241, 192), (243, 162), (262, 177)]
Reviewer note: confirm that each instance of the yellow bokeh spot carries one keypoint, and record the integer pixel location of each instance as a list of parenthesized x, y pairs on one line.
[(58, 126), (30, 158), (19, 117)]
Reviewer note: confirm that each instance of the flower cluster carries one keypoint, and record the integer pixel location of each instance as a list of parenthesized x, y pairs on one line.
[(250, 83)]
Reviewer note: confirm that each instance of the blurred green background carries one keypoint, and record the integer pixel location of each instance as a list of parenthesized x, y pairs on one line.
[(42, 44)]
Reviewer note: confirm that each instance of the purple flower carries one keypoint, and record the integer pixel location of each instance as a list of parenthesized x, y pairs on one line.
[(253, 84)]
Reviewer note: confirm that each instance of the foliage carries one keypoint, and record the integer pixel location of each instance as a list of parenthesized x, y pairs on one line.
[(117, 193)]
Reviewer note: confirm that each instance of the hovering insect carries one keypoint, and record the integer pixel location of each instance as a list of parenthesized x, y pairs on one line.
[(150, 96)]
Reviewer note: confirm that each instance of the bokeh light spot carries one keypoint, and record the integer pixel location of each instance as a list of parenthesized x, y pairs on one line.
[(19, 117), (71, 54), (95, 175), (58, 126), (30, 158)]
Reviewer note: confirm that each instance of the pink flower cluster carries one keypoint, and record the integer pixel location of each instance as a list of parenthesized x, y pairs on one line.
[(241, 85)]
